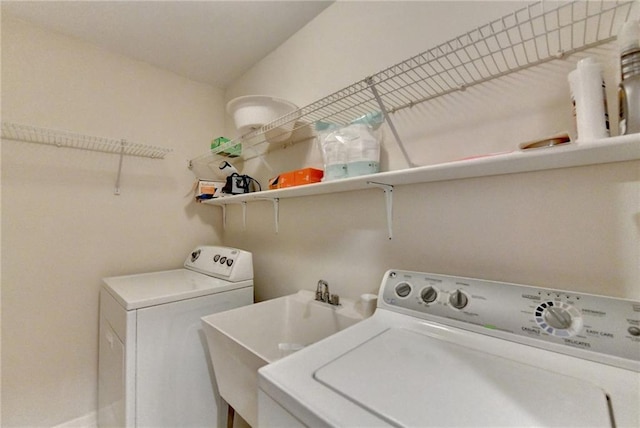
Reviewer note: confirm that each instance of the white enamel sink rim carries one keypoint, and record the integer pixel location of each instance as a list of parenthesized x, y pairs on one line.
[(244, 339), (345, 315)]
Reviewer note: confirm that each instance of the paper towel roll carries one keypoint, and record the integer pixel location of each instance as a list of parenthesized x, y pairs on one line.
[(588, 94)]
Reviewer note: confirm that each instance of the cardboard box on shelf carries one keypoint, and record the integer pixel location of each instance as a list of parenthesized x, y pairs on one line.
[(207, 189)]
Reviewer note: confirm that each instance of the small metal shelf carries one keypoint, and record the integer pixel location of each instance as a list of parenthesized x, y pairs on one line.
[(528, 37), (39, 135)]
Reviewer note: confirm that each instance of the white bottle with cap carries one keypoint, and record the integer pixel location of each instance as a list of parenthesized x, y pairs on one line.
[(589, 99), (629, 89)]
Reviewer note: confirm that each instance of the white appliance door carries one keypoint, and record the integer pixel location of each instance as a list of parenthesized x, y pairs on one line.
[(174, 377), (409, 379)]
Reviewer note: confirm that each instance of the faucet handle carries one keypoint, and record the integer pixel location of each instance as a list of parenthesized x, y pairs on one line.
[(334, 300)]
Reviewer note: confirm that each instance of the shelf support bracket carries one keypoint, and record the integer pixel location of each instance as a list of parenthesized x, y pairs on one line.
[(372, 85), (244, 215), (276, 211), (388, 200), (116, 191), (224, 216)]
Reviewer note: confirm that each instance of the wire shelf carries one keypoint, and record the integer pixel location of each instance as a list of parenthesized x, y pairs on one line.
[(528, 37), (34, 134)]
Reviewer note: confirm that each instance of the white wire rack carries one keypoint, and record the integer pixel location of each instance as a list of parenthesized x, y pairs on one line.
[(530, 36), (34, 134)]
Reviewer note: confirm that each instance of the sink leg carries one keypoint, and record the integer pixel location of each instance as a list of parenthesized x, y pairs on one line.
[(230, 416)]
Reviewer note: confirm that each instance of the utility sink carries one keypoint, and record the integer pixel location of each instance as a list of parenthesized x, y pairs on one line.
[(244, 339)]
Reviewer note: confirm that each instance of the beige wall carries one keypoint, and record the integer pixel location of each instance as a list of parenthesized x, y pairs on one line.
[(63, 229), (576, 228)]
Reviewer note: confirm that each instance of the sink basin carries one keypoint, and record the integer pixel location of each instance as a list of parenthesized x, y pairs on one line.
[(244, 339)]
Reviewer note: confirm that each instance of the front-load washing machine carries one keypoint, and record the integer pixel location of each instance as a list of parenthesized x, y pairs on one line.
[(153, 367)]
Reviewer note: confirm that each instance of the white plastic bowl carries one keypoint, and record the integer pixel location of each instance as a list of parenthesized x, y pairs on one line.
[(252, 112)]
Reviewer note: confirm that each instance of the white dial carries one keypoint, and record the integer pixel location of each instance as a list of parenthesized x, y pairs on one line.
[(558, 318)]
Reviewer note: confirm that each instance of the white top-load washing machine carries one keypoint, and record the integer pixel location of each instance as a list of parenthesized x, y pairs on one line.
[(451, 351), (154, 368)]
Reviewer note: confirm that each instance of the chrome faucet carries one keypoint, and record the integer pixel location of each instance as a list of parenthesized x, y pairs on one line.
[(320, 290), (323, 294)]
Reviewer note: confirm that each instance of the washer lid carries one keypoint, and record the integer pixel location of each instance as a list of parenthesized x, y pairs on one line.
[(410, 379), (156, 288)]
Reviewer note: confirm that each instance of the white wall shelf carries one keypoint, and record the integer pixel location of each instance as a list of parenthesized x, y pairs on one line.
[(58, 138), (528, 37), (614, 149)]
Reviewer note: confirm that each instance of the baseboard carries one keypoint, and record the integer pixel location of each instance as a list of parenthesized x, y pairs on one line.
[(87, 421)]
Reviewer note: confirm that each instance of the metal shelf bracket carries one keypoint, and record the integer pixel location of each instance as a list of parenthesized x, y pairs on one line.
[(224, 216), (372, 85), (123, 143), (244, 215), (388, 200), (276, 212)]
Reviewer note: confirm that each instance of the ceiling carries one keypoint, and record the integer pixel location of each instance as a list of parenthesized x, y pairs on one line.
[(208, 41)]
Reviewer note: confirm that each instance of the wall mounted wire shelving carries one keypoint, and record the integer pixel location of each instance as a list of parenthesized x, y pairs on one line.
[(36, 134), (58, 138), (528, 37)]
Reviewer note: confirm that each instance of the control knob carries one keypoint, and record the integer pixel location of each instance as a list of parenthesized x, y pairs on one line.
[(557, 317), (458, 299), (429, 295), (403, 289)]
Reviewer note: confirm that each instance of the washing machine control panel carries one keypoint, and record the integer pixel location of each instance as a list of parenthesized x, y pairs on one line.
[(226, 263), (581, 321)]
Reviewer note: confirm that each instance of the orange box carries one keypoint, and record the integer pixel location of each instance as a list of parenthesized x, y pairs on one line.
[(286, 179), (307, 175), (296, 178)]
